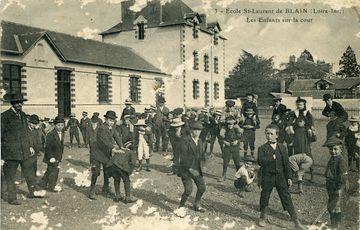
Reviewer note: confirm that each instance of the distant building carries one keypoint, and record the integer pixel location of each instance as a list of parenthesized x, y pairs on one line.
[(182, 43), (62, 74), (316, 88), (305, 67)]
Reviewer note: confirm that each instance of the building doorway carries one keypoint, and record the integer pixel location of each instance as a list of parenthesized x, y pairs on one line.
[(63, 93)]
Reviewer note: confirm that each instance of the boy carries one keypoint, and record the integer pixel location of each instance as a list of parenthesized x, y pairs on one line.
[(54, 149), (336, 176), (351, 138), (335, 127), (191, 158), (250, 123), (275, 172), (175, 135), (276, 120), (84, 122), (244, 177), (91, 131), (34, 131), (142, 142), (120, 168), (74, 125), (215, 126), (231, 138)]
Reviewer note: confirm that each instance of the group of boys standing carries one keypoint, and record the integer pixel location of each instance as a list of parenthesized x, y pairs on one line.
[(118, 145)]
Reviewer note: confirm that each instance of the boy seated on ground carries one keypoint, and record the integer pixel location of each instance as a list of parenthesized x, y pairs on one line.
[(244, 177)]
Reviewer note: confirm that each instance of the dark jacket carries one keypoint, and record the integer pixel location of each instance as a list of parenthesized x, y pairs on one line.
[(161, 117), (84, 122), (267, 162), (130, 111), (73, 123), (336, 173), (125, 133), (305, 114), (335, 127), (15, 140), (281, 109), (54, 147), (350, 140), (253, 121), (107, 139), (92, 140), (248, 105), (339, 110), (125, 161), (191, 156), (147, 137), (35, 136)]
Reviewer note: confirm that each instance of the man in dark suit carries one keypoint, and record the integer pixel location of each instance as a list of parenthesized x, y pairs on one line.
[(275, 172), (16, 146), (108, 139), (334, 106), (161, 125), (54, 149), (84, 122), (128, 110), (191, 158), (278, 108)]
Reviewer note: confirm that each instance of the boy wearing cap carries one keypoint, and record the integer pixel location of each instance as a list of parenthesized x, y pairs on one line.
[(175, 135), (278, 108), (128, 110), (215, 126), (74, 125), (126, 130), (54, 149), (84, 122), (230, 135), (100, 121), (336, 176), (334, 106), (352, 141), (249, 103), (142, 142), (275, 172), (161, 125), (250, 123), (191, 158), (35, 136)]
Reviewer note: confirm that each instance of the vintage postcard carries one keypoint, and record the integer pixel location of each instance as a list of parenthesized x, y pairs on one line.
[(180, 114)]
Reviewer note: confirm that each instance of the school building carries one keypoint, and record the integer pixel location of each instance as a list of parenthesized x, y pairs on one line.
[(62, 74)]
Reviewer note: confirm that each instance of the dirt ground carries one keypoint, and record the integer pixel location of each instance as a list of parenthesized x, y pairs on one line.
[(159, 195)]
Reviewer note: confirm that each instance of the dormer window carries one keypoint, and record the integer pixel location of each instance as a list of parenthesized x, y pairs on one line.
[(141, 31)]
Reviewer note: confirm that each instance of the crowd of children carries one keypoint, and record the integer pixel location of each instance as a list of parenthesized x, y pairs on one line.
[(120, 145)]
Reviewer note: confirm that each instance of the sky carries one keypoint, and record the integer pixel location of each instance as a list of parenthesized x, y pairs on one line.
[(326, 37)]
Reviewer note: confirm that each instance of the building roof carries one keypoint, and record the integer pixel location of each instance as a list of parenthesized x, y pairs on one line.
[(310, 84), (19, 39), (174, 12)]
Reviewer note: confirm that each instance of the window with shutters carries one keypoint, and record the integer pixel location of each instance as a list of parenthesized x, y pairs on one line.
[(141, 31), (196, 60), (216, 65), (103, 88), (216, 38), (206, 63), (216, 90), (12, 78), (207, 93), (195, 31), (135, 88), (196, 87)]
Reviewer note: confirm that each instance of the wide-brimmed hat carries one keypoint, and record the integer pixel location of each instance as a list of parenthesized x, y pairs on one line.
[(73, 115), (299, 99), (110, 114), (327, 96), (277, 98), (354, 118), (332, 141), (128, 101), (176, 122), (85, 113), (94, 119), (14, 97), (58, 119), (218, 112), (249, 110), (230, 121), (161, 100), (204, 110), (230, 103), (197, 125), (127, 116), (34, 119), (141, 122)]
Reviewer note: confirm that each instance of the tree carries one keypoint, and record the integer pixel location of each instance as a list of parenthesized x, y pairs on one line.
[(251, 74), (348, 64)]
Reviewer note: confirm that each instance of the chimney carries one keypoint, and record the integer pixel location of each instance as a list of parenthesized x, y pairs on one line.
[(126, 14), (282, 86)]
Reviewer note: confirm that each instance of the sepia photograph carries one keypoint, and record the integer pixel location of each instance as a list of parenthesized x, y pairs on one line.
[(180, 114)]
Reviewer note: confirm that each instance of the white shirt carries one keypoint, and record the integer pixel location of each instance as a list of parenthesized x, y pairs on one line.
[(195, 140), (273, 145)]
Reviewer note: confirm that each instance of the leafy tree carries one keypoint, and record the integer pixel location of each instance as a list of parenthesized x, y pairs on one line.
[(252, 73), (348, 64)]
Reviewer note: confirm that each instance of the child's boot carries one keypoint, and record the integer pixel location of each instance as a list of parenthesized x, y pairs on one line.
[(140, 166), (147, 165)]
